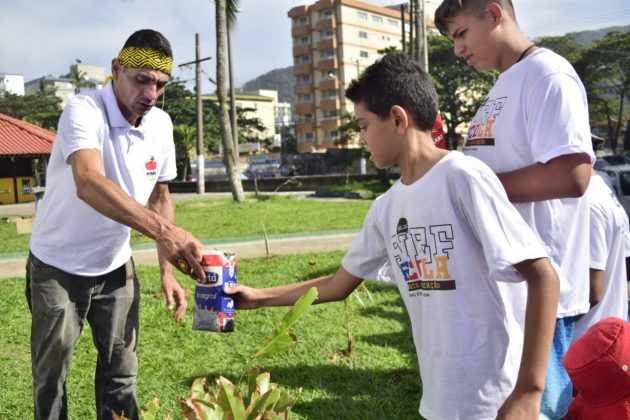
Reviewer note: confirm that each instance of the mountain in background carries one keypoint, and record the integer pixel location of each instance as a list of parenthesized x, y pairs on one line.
[(586, 37), (281, 80)]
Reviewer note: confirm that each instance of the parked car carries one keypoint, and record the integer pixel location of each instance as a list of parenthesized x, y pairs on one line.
[(620, 179), (616, 159), (600, 164)]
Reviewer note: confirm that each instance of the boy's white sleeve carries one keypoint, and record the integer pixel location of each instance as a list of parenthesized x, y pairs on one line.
[(558, 118), (503, 234), (598, 248), (367, 256)]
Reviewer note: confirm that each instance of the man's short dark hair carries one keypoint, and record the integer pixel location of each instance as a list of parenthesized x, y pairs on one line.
[(449, 9), (148, 38), (396, 79)]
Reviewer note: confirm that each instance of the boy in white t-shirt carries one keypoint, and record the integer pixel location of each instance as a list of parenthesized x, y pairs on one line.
[(533, 131), (449, 235), (609, 244)]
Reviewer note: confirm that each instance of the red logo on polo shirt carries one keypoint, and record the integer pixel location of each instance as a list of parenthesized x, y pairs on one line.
[(151, 168)]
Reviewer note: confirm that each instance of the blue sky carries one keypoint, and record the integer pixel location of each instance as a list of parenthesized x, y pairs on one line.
[(40, 37)]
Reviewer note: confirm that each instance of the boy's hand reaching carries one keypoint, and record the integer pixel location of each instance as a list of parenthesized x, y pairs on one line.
[(521, 406), (244, 297)]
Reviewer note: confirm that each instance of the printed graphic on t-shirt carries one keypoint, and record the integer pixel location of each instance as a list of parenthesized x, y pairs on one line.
[(151, 168), (422, 255), (480, 130)]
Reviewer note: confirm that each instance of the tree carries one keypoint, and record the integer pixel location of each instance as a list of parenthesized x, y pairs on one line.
[(460, 88), (229, 156), (77, 78), (348, 130), (185, 137), (43, 111), (607, 80)]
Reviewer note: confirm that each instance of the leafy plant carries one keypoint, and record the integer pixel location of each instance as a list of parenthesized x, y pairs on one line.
[(264, 399)]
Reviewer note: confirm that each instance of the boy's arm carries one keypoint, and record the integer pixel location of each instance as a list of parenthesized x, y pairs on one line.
[(331, 288), (597, 278), (566, 176), (540, 319)]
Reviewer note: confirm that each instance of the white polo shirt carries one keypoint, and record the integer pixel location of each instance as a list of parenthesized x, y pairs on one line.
[(68, 233)]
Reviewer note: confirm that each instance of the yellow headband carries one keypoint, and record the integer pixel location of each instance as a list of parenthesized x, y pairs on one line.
[(146, 58)]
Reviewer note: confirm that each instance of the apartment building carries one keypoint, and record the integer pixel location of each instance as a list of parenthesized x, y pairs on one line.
[(12, 83), (62, 84), (333, 41)]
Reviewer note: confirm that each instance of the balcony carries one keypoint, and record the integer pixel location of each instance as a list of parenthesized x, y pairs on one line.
[(302, 88), (326, 24), (327, 44), (301, 49), (329, 123), (329, 64), (298, 11), (323, 5), (300, 30), (305, 108), (299, 69), (331, 83), (304, 127), (329, 104)]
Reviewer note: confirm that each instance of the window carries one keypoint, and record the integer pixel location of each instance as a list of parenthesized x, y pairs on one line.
[(306, 98), (305, 59), (305, 78), (330, 94), (304, 40), (332, 114), (330, 54), (363, 34), (309, 136), (303, 21), (329, 74), (377, 19), (334, 134), (328, 14), (364, 54), (329, 34), (362, 15), (393, 22), (308, 117)]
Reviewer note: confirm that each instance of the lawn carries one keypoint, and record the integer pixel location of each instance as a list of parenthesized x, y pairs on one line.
[(215, 220), (378, 380)]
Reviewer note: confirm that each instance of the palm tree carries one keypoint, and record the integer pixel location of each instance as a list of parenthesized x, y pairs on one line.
[(77, 78), (232, 8), (185, 142), (230, 157)]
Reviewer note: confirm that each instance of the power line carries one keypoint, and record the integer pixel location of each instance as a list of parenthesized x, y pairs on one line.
[(602, 19)]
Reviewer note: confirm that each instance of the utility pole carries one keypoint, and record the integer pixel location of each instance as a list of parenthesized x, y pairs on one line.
[(412, 39), (201, 186), (403, 8), (421, 34)]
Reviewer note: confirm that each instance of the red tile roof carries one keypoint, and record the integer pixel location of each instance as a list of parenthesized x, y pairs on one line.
[(21, 138)]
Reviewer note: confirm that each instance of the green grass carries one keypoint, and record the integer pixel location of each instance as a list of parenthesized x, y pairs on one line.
[(380, 379), (212, 220)]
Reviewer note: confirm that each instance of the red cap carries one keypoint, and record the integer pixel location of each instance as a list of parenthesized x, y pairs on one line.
[(599, 366)]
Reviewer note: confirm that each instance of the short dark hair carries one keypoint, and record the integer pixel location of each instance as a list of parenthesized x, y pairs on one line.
[(396, 79), (148, 38), (451, 8)]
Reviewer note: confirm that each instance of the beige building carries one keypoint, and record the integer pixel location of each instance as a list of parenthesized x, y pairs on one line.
[(264, 105), (62, 84), (333, 41)]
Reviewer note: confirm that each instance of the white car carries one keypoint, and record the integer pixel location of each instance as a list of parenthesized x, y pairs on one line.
[(620, 179)]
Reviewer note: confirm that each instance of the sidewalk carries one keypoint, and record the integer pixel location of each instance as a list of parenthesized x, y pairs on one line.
[(14, 267)]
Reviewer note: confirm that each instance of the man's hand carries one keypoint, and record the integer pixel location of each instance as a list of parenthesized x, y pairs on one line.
[(175, 296), (521, 406), (176, 243)]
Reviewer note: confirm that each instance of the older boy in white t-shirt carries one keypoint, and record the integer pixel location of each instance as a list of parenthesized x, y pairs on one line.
[(449, 234)]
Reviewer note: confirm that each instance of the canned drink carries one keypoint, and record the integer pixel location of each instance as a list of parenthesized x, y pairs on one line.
[(214, 311)]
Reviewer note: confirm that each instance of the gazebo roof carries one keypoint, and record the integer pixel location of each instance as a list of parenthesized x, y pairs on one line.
[(19, 138)]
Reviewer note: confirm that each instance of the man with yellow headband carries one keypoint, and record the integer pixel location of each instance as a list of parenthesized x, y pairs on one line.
[(113, 155)]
